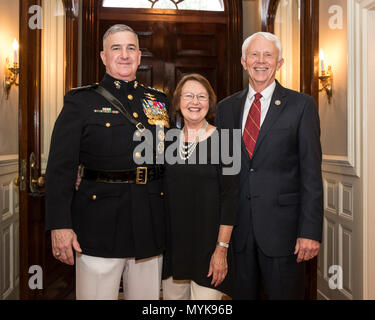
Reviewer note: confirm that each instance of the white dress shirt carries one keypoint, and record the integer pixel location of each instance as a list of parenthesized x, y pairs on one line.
[(265, 103)]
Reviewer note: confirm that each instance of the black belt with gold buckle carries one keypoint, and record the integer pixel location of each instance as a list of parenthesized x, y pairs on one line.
[(140, 175)]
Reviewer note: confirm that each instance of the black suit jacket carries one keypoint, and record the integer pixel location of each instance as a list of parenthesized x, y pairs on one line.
[(113, 220), (281, 194)]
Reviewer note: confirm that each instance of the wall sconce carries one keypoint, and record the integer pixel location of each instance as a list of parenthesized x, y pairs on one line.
[(11, 72), (326, 78)]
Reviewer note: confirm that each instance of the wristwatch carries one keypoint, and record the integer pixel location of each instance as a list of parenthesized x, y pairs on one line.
[(222, 244)]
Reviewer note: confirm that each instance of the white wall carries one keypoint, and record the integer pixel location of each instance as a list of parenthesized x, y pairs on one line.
[(9, 30), (9, 209)]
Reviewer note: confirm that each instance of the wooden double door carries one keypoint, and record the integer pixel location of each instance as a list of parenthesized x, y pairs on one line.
[(173, 43), (170, 50)]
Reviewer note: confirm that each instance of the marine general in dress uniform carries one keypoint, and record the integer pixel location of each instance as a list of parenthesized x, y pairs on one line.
[(114, 221)]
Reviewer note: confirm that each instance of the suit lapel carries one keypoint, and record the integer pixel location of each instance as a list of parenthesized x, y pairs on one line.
[(277, 104), (238, 109)]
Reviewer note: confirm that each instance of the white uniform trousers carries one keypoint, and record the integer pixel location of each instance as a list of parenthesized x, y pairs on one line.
[(99, 278), (188, 290)]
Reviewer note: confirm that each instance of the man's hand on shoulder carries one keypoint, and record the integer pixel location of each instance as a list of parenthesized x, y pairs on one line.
[(62, 242)]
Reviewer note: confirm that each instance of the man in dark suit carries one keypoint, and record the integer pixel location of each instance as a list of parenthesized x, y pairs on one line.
[(279, 222), (114, 221)]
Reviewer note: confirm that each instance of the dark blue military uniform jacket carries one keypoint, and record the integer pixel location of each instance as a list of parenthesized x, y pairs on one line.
[(113, 220)]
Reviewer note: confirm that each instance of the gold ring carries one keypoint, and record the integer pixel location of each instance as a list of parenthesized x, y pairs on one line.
[(57, 254)]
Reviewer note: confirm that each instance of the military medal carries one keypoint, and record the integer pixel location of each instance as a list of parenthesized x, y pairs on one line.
[(161, 135), (161, 147), (150, 96), (156, 112), (106, 110)]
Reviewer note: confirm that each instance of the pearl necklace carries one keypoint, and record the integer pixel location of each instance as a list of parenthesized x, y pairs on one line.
[(186, 151)]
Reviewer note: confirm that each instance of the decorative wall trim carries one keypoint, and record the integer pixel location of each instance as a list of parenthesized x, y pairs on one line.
[(349, 164), (7, 160)]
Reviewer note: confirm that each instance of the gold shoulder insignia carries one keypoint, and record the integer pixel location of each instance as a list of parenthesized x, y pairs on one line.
[(153, 89), (156, 90)]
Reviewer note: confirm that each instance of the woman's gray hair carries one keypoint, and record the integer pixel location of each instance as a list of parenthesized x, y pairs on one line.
[(118, 28), (269, 36)]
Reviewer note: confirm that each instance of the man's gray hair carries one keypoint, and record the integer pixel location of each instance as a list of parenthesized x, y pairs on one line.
[(118, 28), (269, 36)]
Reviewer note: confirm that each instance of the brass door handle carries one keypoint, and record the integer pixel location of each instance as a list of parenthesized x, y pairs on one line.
[(40, 182), (16, 181)]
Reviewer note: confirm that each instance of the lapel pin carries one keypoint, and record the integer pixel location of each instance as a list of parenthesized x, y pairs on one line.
[(277, 102)]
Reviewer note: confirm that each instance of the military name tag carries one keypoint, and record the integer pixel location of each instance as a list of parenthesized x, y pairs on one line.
[(106, 110), (156, 112)]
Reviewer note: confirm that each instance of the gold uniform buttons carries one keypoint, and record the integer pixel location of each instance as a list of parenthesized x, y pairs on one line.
[(138, 155), (107, 124), (130, 97), (137, 134), (135, 115), (94, 197)]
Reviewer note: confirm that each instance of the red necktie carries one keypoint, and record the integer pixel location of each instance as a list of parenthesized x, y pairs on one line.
[(252, 125)]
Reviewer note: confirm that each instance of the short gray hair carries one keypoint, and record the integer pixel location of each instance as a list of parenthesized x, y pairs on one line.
[(118, 28), (269, 36)]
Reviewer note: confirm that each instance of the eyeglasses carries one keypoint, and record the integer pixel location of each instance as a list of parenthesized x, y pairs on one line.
[(190, 97)]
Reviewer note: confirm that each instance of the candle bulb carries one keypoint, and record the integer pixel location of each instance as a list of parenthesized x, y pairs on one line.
[(321, 57), (15, 48)]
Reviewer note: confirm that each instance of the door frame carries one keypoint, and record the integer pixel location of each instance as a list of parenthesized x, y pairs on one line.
[(309, 81), (33, 239)]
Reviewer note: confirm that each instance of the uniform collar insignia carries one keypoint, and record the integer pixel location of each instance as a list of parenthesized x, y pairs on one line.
[(117, 84)]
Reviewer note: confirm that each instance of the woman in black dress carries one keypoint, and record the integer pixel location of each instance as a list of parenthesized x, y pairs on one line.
[(201, 201)]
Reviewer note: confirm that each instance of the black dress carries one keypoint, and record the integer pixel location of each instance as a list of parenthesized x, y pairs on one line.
[(199, 199)]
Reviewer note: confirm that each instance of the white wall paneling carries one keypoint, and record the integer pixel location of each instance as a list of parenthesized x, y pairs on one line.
[(344, 241), (348, 164), (9, 228)]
